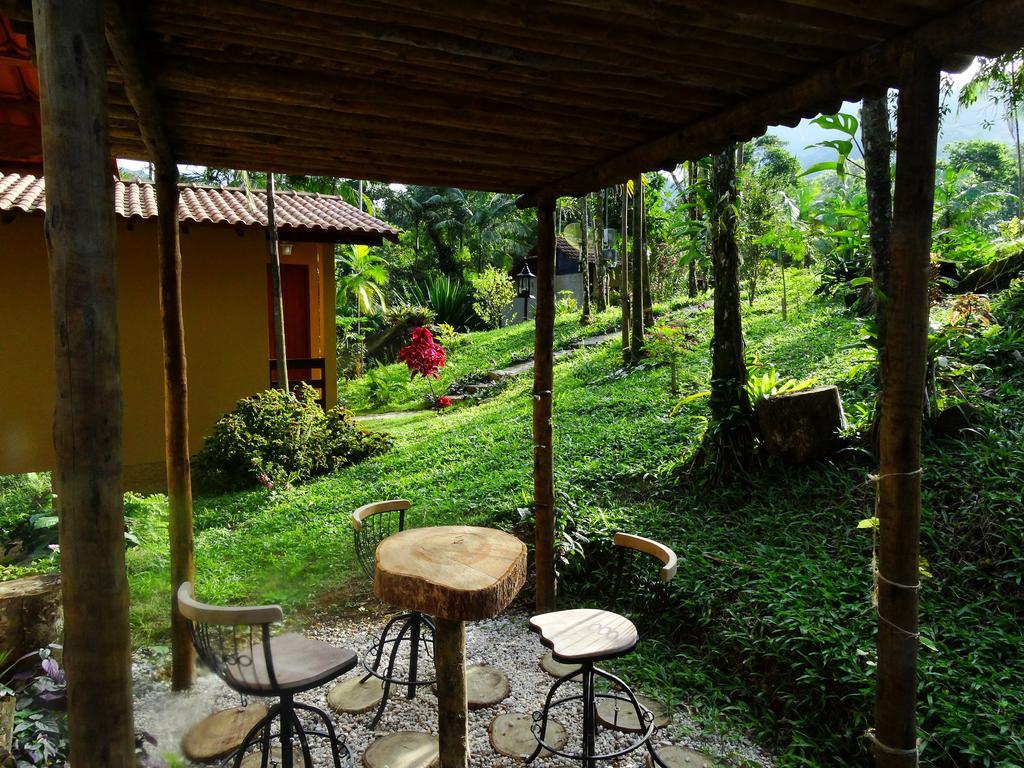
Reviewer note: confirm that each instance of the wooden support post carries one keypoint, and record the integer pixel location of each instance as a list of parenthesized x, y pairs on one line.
[(543, 382), (637, 272), (71, 54), (450, 660), (874, 125), (275, 280), (176, 450), (903, 365), (124, 39), (624, 273), (691, 177)]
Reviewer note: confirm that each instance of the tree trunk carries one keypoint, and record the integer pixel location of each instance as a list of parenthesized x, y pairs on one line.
[(30, 615), (691, 279), (728, 367), (71, 52), (877, 151), (903, 364), (176, 451), (586, 318), (602, 265), (645, 275), (543, 379), (624, 274), (275, 279), (637, 314), (450, 660)]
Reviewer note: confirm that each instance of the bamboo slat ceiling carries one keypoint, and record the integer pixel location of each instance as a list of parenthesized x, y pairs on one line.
[(516, 96)]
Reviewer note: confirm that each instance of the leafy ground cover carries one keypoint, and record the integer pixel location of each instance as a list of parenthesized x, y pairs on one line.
[(388, 388), (769, 625)]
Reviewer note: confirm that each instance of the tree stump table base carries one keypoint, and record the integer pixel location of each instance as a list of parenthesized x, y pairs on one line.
[(217, 736), (511, 735), (556, 668), (682, 757), (625, 718), (405, 749), (356, 696)]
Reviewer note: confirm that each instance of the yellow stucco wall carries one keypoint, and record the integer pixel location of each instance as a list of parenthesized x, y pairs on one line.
[(225, 306)]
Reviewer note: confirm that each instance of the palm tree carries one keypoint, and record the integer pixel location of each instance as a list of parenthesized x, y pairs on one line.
[(362, 274)]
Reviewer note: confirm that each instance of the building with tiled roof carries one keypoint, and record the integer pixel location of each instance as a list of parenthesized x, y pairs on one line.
[(225, 298)]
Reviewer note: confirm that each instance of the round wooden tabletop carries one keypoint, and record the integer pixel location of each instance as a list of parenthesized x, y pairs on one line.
[(454, 572)]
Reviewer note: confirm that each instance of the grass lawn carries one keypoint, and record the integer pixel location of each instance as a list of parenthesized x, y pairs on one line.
[(769, 625)]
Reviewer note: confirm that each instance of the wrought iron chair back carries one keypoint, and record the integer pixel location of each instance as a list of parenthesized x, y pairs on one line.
[(371, 524), (638, 593), (233, 642)]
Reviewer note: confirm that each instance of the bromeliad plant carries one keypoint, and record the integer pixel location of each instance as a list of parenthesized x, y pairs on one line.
[(425, 357)]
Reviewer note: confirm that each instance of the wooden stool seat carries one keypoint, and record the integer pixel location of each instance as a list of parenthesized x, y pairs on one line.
[(585, 634), (300, 663)]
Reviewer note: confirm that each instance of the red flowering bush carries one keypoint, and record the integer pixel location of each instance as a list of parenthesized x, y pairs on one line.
[(444, 402), (423, 355)]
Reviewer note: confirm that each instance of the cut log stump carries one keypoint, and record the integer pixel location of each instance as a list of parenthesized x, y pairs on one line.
[(255, 759), (682, 757), (355, 696), (485, 686), (621, 716), (217, 736), (30, 614), (802, 426), (556, 668), (6, 722), (511, 735), (405, 749)]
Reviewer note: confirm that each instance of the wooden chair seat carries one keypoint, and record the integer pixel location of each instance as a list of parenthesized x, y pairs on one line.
[(585, 634), (300, 663)]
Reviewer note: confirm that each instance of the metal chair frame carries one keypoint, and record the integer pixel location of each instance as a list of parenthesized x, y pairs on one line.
[(225, 639), (371, 524), (628, 547)]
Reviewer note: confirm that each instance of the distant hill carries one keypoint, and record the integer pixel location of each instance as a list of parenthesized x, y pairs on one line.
[(969, 124)]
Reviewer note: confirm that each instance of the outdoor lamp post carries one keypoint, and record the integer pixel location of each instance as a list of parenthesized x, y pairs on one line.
[(608, 249), (524, 280)]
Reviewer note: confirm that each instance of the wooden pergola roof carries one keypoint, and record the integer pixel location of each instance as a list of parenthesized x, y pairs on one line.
[(562, 96)]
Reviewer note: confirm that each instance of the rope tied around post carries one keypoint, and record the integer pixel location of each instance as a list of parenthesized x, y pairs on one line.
[(886, 749)]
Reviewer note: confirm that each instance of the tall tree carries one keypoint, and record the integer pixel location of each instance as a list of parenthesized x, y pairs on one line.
[(586, 318), (691, 268), (624, 272), (729, 442), (636, 345), (602, 264), (280, 349), (874, 126), (645, 273)]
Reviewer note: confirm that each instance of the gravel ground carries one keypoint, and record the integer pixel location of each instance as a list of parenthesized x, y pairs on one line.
[(504, 642)]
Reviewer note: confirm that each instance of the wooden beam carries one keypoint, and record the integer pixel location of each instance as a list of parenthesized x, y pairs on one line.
[(124, 38), (904, 361), (87, 432), (543, 384), (967, 30)]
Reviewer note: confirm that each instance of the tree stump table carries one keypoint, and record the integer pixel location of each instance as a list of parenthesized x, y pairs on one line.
[(455, 573)]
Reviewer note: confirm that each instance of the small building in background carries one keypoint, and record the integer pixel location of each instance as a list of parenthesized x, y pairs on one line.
[(229, 337), (568, 276)]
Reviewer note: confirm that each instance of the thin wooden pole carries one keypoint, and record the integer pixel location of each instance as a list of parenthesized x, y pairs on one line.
[(543, 381), (903, 365), (691, 176), (125, 41), (176, 450), (637, 314), (450, 658), (80, 235), (275, 280), (624, 273)]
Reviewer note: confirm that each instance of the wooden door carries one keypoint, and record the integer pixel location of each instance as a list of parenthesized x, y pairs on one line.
[(297, 337)]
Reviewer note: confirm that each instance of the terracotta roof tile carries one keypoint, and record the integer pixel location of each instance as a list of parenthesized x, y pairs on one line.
[(305, 211)]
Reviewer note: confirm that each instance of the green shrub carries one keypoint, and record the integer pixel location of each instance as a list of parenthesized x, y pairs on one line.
[(1009, 305), (449, 338), (493, 291), (408, 315), (275, 439), (565, 304)]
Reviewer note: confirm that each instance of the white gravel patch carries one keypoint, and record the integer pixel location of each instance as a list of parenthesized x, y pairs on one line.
[(504, 642)]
